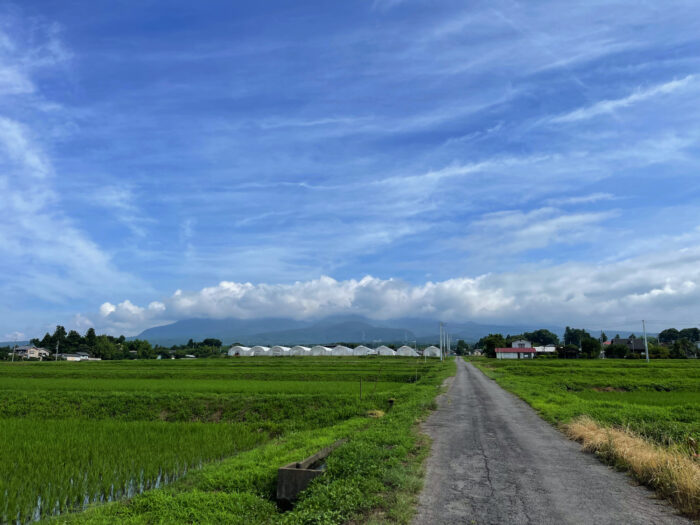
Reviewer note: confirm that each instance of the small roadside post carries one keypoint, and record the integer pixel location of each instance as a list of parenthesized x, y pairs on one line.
[(646, 345)]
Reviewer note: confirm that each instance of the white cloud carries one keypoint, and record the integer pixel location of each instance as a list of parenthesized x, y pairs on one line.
[(662, 285), (59, 261), (15, 336), (515, 231), (582, 199), (609, 106)]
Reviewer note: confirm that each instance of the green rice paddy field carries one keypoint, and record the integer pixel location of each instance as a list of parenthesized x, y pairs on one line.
[(659, 400), (201, 440)]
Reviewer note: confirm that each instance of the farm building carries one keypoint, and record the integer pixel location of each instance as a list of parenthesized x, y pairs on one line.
[(260, 351), (515, 353), (406, 351), (431, 351), (320, 350), (361, 350), (238, 350), (279, 350), (300, 350), (549, 349), (341, 350), (385, 350)]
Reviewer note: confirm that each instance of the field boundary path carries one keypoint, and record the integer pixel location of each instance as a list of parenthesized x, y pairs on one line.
[(495, 461)]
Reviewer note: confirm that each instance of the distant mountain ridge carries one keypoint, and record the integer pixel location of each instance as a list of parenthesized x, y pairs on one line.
[(337, 328)]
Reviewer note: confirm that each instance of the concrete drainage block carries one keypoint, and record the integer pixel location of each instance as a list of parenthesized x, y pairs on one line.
[(295, 477)]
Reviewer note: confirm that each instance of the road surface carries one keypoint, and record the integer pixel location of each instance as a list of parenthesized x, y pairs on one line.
[(494, 460)]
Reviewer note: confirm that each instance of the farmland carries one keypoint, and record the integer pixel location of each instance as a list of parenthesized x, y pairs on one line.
[(196, 437), (658, 401)]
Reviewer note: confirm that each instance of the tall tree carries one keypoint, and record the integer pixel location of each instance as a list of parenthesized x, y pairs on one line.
[(590, 348), (691, 334), (490, 343), (58, 337), (669, 335), (90, 338), (542, 337), (575, 336)]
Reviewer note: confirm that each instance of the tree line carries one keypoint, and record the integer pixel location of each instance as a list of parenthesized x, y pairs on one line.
[(578, 343), (108, 347)]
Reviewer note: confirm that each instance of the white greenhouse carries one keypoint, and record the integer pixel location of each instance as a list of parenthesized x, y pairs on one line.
[(300, 350), (279, 350), (260, 351), (431, 351), (238, 350), (320, 350), (406, 351), (341, 350), (385, 350), (361, 350)]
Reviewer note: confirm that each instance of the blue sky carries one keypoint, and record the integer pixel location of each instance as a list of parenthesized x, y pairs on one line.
[(489, 161)]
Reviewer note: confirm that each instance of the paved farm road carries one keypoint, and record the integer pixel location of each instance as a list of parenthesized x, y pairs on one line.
[(494, 460)]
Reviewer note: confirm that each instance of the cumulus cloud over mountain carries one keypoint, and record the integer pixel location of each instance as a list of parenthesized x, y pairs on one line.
[(620, 293)]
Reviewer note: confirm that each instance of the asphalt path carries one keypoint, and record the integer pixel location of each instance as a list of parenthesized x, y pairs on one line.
[(494, 460)]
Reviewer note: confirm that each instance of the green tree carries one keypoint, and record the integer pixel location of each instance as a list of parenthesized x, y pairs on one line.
[(73, 341), (58, 337), (569, 351), (90, 339), (542, 337), (590, 348), (462, 347), (616, 350), (691, 334), (603, 337), (105, 348), (490, 343), (575, 336), (681, 348), (669, 335), (46, 341), (659, 352)]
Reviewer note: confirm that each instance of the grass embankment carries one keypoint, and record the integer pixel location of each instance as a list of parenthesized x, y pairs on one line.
[(643, 418), (73, 449)]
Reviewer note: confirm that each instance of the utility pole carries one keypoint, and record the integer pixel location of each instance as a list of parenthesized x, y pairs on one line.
[(14, 348), (646, 345), (57, 343)]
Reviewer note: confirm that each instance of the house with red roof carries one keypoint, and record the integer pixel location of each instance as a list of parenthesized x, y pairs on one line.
[(520, 349)]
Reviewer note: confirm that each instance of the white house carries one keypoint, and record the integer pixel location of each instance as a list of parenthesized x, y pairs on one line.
[(406, 351), (515, 353), (521, 343), (300, 350)]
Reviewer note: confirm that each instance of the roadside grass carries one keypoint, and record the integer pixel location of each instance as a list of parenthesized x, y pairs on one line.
[(674, 475), (639, 417), (208, 449)]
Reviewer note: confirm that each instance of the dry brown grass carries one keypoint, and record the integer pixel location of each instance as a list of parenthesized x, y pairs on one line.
[(672, 474)]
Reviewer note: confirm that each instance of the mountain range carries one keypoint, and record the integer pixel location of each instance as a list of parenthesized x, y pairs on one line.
[(332, 329)]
